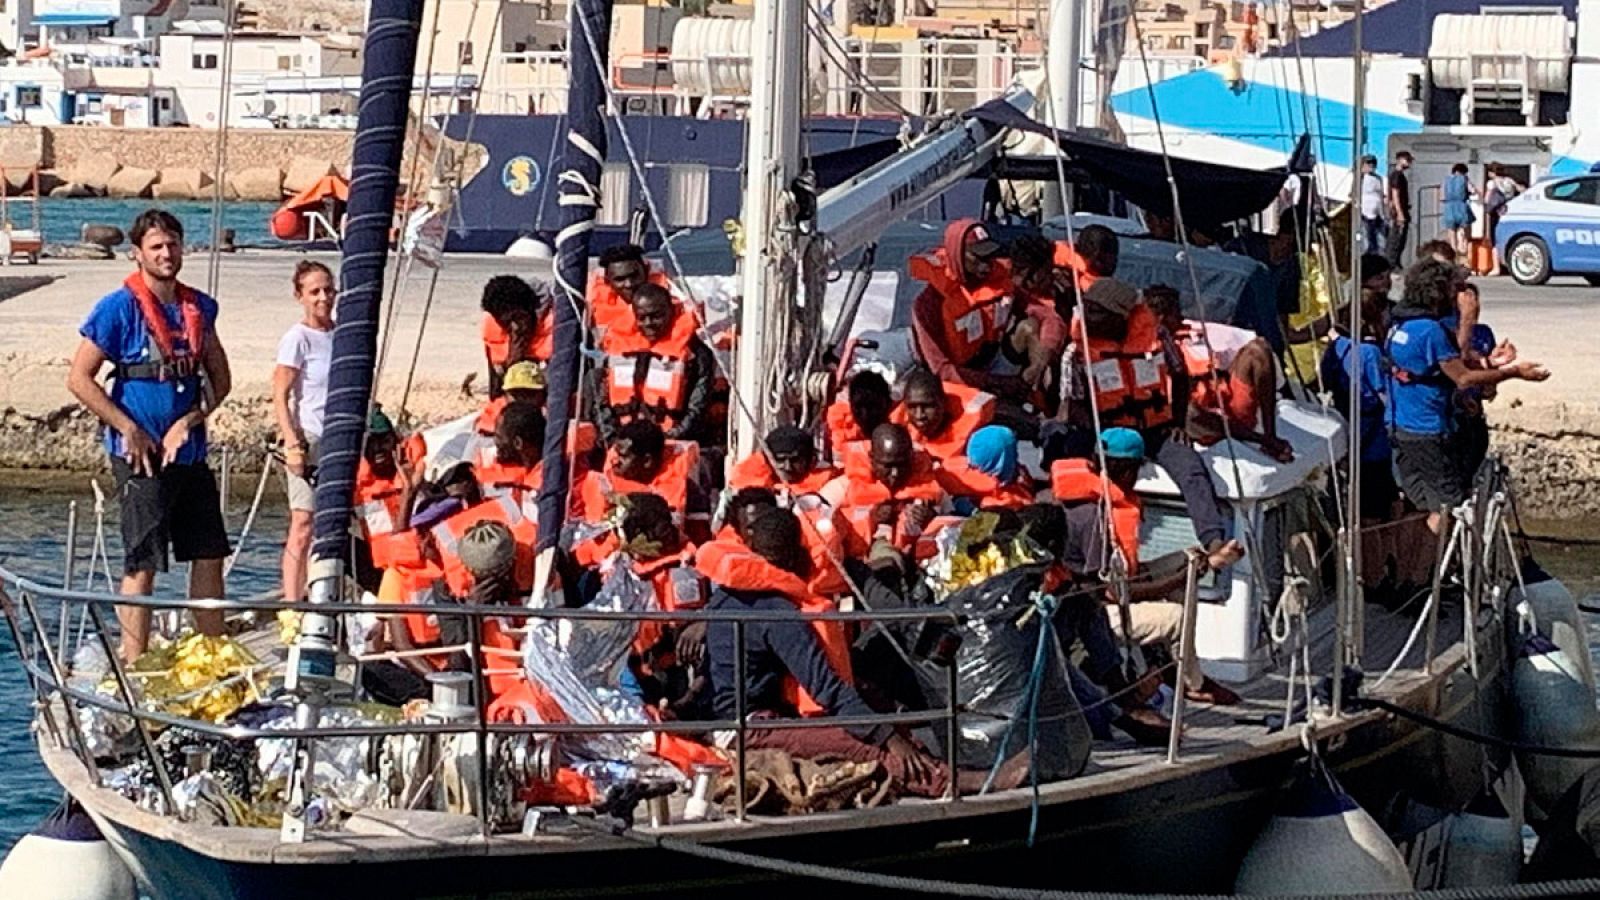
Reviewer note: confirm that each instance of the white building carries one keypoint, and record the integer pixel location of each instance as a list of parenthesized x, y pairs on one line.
[(40, 23)]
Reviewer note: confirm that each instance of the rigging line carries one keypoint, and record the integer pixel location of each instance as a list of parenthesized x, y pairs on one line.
[(825, 38), (401, 270), (1251, 545), (220, 154)]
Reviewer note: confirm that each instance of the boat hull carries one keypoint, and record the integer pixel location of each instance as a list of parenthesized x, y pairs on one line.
[(1182, 834)]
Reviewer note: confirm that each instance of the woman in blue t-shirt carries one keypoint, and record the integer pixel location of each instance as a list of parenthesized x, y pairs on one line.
[(1455, 216), (1425, 369)]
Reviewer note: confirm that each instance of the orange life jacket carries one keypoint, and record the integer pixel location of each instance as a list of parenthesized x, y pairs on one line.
[(607, 310), (734, 566), (671, 482), (756, 471), (447, 537), (842, 428), (514, 481), (644, 375), (377, 509), (1066, 257), (824, 530), (411, 585), (970, 319), (1075, 481), (676, 585), (1129, 378), (540, 345), (960, 478), (966, 409), (863, 492)]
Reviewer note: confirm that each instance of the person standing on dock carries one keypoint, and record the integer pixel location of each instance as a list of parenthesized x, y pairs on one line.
[(299, 392), (170, 373)]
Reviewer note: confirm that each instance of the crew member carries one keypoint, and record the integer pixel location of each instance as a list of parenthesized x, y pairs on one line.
[(623, 270), (517, 325), (940, 416), (865, 406), (1426, 369), (888, 491), (170, 373), (655, 368), (959, 321), (1378, 489)]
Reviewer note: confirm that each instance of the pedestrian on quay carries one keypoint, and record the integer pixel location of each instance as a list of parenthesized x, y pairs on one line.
[(1372, 228), (299, 392), (1455, 214), (1499, 189), (1399, 203), (169, 373)]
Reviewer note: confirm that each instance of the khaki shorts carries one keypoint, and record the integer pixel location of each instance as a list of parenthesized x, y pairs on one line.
[(302, 494)]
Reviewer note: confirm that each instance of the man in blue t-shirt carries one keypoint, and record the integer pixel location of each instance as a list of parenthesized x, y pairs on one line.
[(169, 373), (1426, 369), (1378, 489)]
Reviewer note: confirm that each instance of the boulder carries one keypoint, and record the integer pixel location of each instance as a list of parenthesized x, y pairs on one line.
[(95, 171), (261, 183), (76, 251), (131, 182), (107, 236), (183, 184), (20, 182), (304, 171)]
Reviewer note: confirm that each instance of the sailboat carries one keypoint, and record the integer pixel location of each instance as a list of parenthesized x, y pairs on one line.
[(1137, 819)]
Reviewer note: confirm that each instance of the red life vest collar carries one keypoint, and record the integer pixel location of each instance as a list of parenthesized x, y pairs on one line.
[(182, 362)]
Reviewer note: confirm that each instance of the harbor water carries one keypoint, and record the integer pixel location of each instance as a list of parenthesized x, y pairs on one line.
[(62, 219), (33, 542)]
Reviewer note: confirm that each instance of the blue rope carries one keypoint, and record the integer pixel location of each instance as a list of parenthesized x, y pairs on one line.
[(1028, 708)]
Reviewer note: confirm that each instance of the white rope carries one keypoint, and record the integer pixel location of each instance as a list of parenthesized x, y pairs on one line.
[(250, 518)]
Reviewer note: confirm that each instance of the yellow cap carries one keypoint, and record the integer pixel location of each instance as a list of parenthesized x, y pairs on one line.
[(523, 376)]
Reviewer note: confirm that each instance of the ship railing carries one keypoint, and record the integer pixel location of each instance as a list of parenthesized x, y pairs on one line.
[(48, 664)]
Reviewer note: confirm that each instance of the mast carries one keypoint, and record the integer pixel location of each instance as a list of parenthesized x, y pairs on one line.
[(386, 72), (1351, 626), (778, 94), (1063, 61), (588, 42)]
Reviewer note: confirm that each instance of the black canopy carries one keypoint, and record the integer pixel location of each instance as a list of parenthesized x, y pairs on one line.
[(1211, 193)]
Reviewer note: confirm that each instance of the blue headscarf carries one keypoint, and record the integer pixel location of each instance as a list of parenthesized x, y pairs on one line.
[(992, 450)]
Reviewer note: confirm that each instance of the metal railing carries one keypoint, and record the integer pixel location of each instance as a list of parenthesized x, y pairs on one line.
[(47, 666)]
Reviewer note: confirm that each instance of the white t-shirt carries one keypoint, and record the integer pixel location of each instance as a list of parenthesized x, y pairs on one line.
[(309, 352), (1371, 196)]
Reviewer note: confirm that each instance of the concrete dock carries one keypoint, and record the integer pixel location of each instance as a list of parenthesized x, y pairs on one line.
[(1550, 431)]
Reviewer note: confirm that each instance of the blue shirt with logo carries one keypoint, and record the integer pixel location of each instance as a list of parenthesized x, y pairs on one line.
[(1419, 391), (116, 325)]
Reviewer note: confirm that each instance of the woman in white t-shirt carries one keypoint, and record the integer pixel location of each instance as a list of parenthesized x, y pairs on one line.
[(299, 392)]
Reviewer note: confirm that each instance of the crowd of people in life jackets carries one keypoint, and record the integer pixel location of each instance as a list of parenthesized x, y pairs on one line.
[(1035, 342)]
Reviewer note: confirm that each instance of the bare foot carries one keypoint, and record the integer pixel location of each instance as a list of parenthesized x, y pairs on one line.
[(1224, 555), (1213, 693), (1147, 727)]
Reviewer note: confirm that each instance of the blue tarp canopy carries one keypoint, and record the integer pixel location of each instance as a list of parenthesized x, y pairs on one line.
[(65, 18)]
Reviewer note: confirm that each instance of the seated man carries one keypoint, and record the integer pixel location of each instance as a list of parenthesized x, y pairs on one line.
[(518, 471), (988, 475), (958, 322), (771, 578), (1133, 386), (887, 492), (939, 416), (866, 405), (1152, 618), (792, 468), (517, 325), (655, 368), (641, 459), (1039, 332), (1237, 383), (385, 490), (523, 381), (623, 270), (659, 555)]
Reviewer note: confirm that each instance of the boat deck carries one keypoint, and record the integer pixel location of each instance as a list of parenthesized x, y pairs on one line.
[(1214, 737)]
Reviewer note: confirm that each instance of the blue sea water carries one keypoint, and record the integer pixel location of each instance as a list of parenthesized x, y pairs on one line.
[(33, 543), (62, 219)]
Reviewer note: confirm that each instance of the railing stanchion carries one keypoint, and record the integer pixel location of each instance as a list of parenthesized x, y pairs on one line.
[(479, 692), (65, 626), (73, 729), (952, 732), (740, 709), (123, 688), (1186, 657), (1431, 645)]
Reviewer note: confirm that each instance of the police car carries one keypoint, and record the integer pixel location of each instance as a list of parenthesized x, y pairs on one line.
[(1553, 228)]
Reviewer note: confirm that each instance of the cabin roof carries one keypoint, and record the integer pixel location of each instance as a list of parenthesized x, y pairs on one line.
[(1405, 27)]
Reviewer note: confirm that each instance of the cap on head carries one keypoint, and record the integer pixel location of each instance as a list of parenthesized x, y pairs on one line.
[(523, 376), (1112, 295), (378, 423), (1122, 443), (487, 548), (790, 439), (978, 242)]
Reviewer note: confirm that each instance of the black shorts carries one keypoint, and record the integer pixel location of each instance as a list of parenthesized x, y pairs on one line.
[(179, 507), (1378, 491), (1430, 470)]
